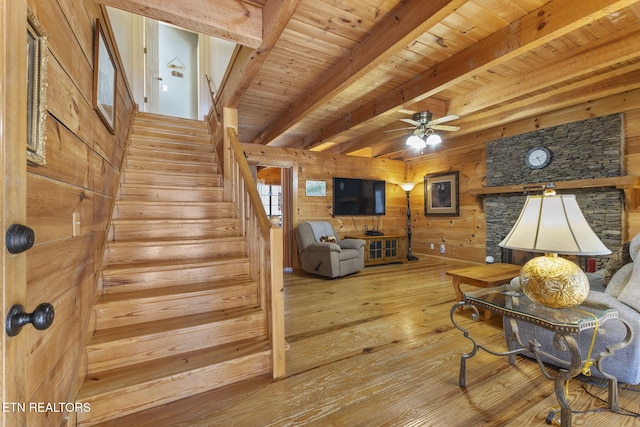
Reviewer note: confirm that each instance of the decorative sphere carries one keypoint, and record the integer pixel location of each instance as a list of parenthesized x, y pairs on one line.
[(489, 259), (554, 282)]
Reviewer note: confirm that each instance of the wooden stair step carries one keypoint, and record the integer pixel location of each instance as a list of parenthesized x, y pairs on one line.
[(185, 210), (194, 179), (138, 276), (150, 305), (170, 193), (132, 344), (163, 167), (171, 123), (137, 251), (138, 152), (167, 228), (150, 142), (139, 387), (177, 137), (189, 128)]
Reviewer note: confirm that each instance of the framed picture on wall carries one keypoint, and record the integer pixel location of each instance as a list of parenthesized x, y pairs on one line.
[(441, 194), (316, 188), (104, 79), (36, 90)]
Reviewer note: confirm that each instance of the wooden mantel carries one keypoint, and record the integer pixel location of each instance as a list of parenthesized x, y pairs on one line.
[(629, 184)]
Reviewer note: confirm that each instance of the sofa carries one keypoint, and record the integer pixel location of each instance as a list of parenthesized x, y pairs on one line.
[(622, 292), (323, 253)]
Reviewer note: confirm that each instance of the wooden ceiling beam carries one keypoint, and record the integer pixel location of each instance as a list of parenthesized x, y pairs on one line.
[(236, 21), (589, 108), (276, 14), (396, 31), (535, 29), (578, 93), (611, 50)]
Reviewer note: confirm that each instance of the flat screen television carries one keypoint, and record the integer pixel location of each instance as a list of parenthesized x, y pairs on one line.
[(352, 197)]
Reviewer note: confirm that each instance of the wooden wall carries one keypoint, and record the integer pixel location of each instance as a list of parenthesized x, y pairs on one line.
[(318, 166), (81, 176), (464, 236)]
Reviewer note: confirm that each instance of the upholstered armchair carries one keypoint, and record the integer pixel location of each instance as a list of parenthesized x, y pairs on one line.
[(322, 252)]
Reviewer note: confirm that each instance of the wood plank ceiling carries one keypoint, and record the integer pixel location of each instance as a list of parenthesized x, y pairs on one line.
[(334, 75)]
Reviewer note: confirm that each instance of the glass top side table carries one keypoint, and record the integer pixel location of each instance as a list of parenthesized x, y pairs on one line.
[(509, 301)]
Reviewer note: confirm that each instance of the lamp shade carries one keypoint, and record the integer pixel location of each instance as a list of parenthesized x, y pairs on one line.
[(553, 224), (407, 186), (416, 142), (433, 139)]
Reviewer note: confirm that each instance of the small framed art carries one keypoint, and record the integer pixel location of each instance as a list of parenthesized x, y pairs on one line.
[(441, 194)]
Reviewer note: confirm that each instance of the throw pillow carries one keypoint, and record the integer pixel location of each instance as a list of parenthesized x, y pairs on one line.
[(330, 239), (618, 259), (619, 280), (634, 246), (630, 295)]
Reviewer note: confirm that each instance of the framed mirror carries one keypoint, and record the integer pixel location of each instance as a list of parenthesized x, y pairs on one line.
[(104, 79), (36, 90)]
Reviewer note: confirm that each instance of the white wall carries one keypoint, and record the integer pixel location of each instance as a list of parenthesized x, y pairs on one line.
[(214, 55)]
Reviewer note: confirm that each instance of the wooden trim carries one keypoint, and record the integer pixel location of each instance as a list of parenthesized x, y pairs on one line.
[(13, 200), (620, 182), (629, 184), (276, 317), (239, 22)]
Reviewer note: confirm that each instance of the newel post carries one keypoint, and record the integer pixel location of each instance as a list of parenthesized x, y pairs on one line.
[(278, 366)]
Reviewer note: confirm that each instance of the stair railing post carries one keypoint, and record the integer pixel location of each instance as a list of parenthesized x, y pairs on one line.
[(276, 318)]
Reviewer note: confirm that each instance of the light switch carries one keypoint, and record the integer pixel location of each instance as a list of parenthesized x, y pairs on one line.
[(75, 227), (165, 88)]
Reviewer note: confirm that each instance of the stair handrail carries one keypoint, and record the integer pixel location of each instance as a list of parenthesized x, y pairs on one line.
[(265, 248), (249, 183)]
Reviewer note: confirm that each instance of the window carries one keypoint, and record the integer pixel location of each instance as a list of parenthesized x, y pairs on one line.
[(271, 196)]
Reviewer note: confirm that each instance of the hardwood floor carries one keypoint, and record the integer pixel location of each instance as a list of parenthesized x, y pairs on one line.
[(378, 349)]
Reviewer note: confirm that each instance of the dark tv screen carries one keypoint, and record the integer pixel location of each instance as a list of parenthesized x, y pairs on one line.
[(352, 196)]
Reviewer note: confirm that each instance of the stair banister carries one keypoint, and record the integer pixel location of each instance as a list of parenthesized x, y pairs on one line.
[(264, 244)]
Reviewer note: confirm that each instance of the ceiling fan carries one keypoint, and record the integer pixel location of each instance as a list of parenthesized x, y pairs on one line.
[(423, 128)]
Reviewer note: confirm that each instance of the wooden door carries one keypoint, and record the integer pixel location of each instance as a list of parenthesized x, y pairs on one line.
[(151, 66), (13, 173)]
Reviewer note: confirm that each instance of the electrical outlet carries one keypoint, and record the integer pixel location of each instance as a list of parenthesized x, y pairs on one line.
[(441, 249), (432, 246)]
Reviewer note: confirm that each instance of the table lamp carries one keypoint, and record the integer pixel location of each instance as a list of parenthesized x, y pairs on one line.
[(553, 224)]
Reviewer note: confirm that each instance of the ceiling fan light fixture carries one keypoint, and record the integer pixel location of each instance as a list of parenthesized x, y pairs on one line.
[(416, 142), (433, 139)]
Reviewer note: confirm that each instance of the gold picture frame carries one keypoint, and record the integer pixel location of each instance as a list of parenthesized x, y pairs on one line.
[(441, 196), (36, 91), (104, 79)]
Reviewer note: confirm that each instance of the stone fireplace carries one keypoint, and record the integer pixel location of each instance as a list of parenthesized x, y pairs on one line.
[(582, 150)]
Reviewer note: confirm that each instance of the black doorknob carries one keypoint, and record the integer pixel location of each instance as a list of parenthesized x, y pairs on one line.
[(19, 238), (41, 318)]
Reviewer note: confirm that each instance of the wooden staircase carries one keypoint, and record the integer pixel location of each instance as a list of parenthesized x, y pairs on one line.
[(180, 311)]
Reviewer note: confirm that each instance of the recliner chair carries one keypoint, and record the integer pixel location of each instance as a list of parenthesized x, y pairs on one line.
[(330, 258)]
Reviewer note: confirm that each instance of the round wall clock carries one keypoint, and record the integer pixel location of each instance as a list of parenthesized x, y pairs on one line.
[(537, 158)]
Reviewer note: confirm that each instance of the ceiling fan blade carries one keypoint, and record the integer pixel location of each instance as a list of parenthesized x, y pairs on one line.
[(405, 111), (444, 119), (411, 122), (445, 127), (394, 130)]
